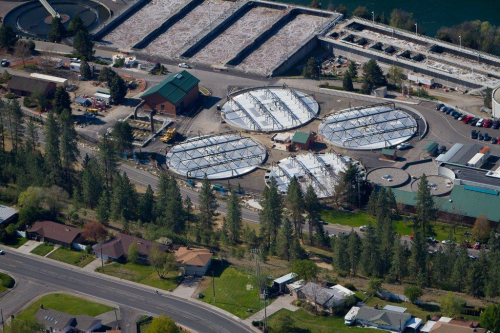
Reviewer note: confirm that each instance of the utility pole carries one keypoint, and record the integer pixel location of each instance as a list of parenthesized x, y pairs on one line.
[(257, 271), (1, 312), (102, 260), (213, 284)]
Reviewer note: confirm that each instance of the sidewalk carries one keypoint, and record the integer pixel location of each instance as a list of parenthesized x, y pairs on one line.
[(282, 302), (91, 267)]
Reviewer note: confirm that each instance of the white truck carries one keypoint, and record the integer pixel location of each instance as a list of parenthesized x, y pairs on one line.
[(350, 317), (75, 67)]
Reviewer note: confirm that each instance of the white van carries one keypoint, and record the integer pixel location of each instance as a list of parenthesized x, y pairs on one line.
[(480, 122), (350, 317)]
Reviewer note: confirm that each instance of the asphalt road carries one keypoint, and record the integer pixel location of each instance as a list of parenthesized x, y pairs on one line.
[(185, 313)]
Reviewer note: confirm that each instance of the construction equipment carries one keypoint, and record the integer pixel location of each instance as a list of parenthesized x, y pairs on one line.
[(93, 111), (169, 135)]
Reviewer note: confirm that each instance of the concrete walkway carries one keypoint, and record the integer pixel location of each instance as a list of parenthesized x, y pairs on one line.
[(282, 302), (187, 287), (29, 246), (91, 267), (55, 248)]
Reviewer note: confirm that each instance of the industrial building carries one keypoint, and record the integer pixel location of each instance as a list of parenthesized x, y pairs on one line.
[(368, 127), (217, 156), (269, 109), (173, 95), (25, 86)]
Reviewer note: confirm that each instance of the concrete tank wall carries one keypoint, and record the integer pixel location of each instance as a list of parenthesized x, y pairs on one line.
[(303, 50), (495, 101), (118, 19)]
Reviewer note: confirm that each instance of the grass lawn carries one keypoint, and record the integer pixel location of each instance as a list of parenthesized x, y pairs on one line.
[(141, 274), (231, 292), (42, 249), (143, 324), (76, 258), (6, 281), (15, 242), (359, 219), (65, 303), (307, 323)]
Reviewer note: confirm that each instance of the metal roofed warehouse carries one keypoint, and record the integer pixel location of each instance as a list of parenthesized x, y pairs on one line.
[(269, 109), (368, 127), (217, 156)]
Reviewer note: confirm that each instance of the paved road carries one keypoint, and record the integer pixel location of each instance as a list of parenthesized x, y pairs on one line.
[(185, 313)]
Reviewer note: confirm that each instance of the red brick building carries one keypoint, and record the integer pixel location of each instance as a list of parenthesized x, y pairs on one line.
[(173, 95)]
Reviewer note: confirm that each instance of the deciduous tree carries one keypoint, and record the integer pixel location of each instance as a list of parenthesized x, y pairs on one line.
[(305, 269), (413, 293), (94, 231), (163, 324), (482, 228)]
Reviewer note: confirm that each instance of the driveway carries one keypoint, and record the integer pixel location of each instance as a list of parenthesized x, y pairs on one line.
[(282, 302), (28, 246), (91, 267), (187, 287)]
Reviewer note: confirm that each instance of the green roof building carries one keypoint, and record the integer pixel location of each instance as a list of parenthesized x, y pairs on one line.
[(173, 95), (302, 140)]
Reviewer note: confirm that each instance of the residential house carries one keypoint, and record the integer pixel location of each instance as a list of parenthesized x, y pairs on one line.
[(173, 95), (25, 86), (57, 233), (7, 215), (194, 261), (325, 299), (60, 322), (383, 319), (457, 326), (116, 248)]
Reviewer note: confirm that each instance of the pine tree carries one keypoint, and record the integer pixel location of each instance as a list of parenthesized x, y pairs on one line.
[(475, 279), (146, 205), (8, 37), (103, 208), (124, 198), (354, 251), (82, 45), (347, 82), (76, 24), (294, 201), (85, 71), (399, 263), (425, 205), (459, 277), (208, 206), (52, 150), (108, 160), (118, 89), (234, 219), (340, 256), (311, 207), (57, 32), (123, 137), (311, 69), (372, 203), (285, 240), (373, 77), (92, 182), (14, 122), (353, 69), (69, 147), (31, 137), (173, 213), (62, 101), (270, 215), (188, 210), (418, 258), (370, 256)]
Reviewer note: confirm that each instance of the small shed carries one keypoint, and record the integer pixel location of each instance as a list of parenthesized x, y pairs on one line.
[(282, 137), (302, 140), (389, 154), (83, 101), (380, 92), (431, 148), (281, 282), (104, 97)]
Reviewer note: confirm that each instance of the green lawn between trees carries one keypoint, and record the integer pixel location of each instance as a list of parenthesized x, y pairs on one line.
[(141, 274), (231, 292), (359, 219), (42, 249), (75, 258), (65, 303), (16, 242)]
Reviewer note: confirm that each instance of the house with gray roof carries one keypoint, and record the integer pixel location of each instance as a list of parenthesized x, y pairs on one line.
[(325, 299), (60, 322), (383, 319), (7, 214)]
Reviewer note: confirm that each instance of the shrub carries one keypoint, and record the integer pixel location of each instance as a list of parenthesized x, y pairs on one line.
[(350, 286), (308, 307), (10, 96), (298, 302), (322, 313), (256, 323)]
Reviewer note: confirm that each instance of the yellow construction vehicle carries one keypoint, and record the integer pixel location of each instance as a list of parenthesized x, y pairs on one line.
[(169, 135), (93, 111)]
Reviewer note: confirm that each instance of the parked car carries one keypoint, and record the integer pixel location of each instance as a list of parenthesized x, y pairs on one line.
[(462, 117), (332, 235), (441, 150), (467, 119), (4, 63), (362, 228), (480, 137), (439, 106), (444, 109), (496, 124), (403, 146), (494, 141), (474, 121), (450, 110), (473, 134), (184, 65), (487, 123), (477, 246), (457, 115), (75, 60), (2, 253), (447, 242), (487, 137), (472, 257), (432, 240), (480, 122)]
